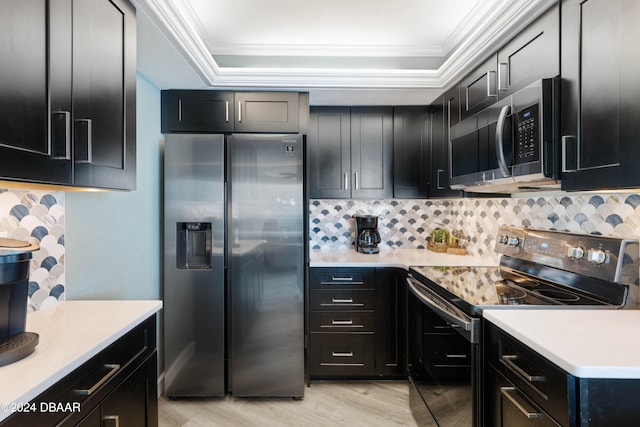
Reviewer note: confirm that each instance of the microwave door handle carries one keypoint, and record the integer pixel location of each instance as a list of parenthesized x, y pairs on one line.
[(504, 112)]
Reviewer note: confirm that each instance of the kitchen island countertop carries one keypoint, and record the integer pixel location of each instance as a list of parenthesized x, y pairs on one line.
[(585, 343), (71, 332), (400, 258)]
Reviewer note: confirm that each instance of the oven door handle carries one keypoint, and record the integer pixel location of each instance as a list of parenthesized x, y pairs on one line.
[(447, 311)]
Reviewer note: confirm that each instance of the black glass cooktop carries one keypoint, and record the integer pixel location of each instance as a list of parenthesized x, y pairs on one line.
[(475, 288)]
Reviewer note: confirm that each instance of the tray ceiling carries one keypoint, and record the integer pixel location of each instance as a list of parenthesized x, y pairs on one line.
[(329, 44)]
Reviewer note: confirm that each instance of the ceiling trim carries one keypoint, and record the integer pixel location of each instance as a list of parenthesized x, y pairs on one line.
[(480, 35)]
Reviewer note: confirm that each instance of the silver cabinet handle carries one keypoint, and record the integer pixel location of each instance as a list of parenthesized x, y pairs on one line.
[(83, 140), (342, 279), (226, 111), (113, 369), (455, 356), (509, 393), (503, 76), (491, 83), (111, 421), (504, 112), (342, 354), (438, 185), (239, 111), (342, 300), (357, 181), (342, 322), (508, 361), (346, 181), (60, 134), (179, 110)]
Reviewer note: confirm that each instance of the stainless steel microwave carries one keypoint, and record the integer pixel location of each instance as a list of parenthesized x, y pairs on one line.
[(512, 145)]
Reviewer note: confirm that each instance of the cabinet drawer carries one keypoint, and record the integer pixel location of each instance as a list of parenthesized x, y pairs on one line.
[(342, 321), (342, 354), (347, 278), (342, 299)]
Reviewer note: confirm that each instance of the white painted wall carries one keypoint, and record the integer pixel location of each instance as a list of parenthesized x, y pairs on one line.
[(113, 242)]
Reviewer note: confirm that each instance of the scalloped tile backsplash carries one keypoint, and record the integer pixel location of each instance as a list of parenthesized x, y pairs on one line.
[(38, 215), (407, 223)]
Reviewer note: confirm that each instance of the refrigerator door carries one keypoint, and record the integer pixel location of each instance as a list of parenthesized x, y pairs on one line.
[(266, 265), (194, 296)]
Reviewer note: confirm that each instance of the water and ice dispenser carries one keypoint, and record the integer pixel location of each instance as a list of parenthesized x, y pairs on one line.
[(193, 245)]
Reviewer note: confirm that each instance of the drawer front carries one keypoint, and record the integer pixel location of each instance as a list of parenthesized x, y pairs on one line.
[(342, 321), (342, 354), (342, 299), (342, 278)]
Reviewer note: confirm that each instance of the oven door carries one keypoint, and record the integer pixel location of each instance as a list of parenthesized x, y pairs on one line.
[(443, 360)]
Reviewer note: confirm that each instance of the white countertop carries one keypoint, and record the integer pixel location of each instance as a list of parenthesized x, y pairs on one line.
[(401, 258), (71, 332), (585, 343)]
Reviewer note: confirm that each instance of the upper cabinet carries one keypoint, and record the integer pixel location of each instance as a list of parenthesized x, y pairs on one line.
[(600, 67), (211, 111), (531, 55), (350, 152), (444, 114), (411, 135), (67, 93)]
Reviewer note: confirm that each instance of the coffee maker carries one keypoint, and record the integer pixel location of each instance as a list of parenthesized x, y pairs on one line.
[(367, 236), (15, 343)]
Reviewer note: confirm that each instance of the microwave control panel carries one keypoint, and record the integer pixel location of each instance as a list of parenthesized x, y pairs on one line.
[(527, 135)]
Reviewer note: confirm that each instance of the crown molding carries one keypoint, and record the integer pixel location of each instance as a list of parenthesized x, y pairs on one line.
[(492, 24)]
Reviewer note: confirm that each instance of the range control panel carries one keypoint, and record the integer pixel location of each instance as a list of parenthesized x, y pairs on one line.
[(589, 255)]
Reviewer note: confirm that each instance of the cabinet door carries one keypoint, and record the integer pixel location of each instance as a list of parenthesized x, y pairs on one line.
[(267, 112), (104, 73), (479, 88), (411, 131), (533, 54), (600, 65), (134, 402), (35, 104), (197, 111), (444, 112), (388, 314), (329, 153), (372, 152)]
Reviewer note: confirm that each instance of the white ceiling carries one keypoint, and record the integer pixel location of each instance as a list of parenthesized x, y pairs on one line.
[(341, 51)]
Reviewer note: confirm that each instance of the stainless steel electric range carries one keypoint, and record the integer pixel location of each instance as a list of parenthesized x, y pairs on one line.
[(538, 269)]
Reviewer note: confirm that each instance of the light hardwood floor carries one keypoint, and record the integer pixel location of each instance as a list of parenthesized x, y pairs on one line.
[(326, 403)]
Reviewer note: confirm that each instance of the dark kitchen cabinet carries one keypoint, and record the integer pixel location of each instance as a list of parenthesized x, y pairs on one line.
[(411, 137), (329, 152), (116, 387), (521, 387), (266, 112), (600, 64), (212, 111), (353, 326), (199, 111), (356, 164), (35, 137), (479, 88), (104, 94), (444, 114), (531, 55), (67, 97)]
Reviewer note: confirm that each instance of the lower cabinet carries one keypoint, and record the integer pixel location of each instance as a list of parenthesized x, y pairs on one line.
[(117, 387), (353, 327)]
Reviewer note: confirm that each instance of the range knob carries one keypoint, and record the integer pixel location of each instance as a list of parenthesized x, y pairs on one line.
[(513, 241), (502, 239), (575, 252), (597, 256)]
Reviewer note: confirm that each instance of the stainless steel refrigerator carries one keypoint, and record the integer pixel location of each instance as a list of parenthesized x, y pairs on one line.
[(234, 265)]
